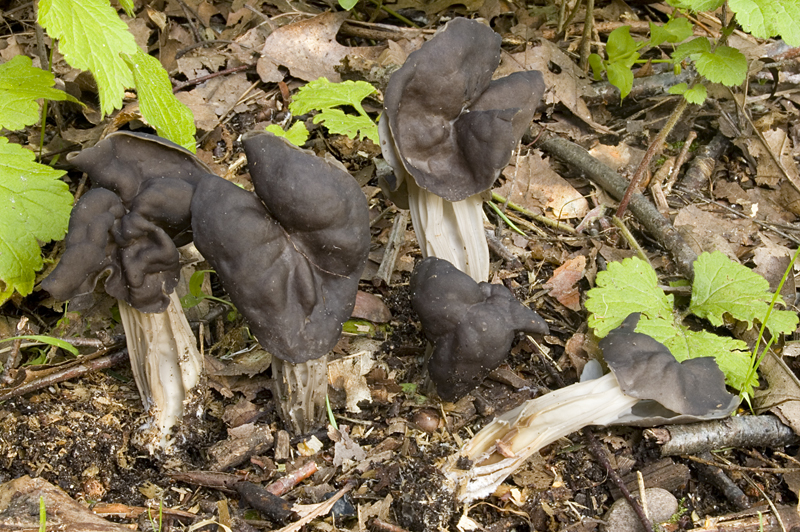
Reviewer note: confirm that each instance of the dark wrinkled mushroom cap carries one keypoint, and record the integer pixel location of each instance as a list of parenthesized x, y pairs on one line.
[(446, 122), (129, 224), (291, 260), (471, 325), (646, 369)]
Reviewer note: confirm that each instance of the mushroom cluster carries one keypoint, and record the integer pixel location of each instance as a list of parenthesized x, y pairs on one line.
[(447, 131), (290, 257), (471, 325), (646, 386)]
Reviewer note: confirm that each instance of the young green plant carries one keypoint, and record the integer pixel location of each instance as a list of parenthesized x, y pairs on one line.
[(721, 288), (328, 98)]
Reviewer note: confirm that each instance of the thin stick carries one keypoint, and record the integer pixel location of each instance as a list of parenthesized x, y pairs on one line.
[(655, 148)]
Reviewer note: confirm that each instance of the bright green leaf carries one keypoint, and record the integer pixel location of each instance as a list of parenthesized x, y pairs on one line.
[(676, 30), (722, 286), (34, 206), (128, 6), (49, 340), (769, 18), (724, 65), (696, 95), (21, 84), (347, 5), (353, 126), (680, 88), (91, 36), (621, 77), (621, 46), (171, 118), (695, 46), (322, 94), (596, 62), (626, 287), (697, 5), (297, 134)]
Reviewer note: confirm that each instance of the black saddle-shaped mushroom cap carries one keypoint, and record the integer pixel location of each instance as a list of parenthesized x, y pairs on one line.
[(451, 127), (131, 221), (646, 369), (291, 258), (471, 325)]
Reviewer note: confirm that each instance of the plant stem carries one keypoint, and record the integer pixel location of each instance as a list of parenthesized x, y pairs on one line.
[(654, 149)]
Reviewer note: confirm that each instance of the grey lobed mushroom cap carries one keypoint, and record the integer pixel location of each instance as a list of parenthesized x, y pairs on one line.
[(471, 325), (446, 122), (291, 257), (679, 391), (131, 221)]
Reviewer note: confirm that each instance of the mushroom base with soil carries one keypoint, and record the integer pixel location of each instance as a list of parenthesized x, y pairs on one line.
[(167, 368)]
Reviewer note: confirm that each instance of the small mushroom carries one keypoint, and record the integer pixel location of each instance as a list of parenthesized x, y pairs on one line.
[(127, 226), (642, 371), (471, 325), (448, 130), (290, 256)]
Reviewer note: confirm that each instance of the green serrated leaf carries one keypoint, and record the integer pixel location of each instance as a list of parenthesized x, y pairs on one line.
[(621, 77), (722, 286), (21, 84), (171, 118), (34, 206), (769, 18), (91, 36), (353, 126), (724, 65), (626, 287), (321, 94), (676, 30), (696, 95), (695, 46), (297, 134)]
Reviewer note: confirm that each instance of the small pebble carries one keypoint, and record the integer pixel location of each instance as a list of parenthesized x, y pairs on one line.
[(661, 505), (426, 420)]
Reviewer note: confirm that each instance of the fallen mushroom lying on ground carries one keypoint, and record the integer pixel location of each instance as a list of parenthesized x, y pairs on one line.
[(646, 387), (447, 131), (290, 257), (128, 226), (471, 325)]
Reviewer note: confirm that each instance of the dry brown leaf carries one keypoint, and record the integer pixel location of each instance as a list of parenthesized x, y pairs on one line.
[(371, 308), (562, 283), (566, 87), (768, 173), (705, 231), (535, 186), (309, 50)]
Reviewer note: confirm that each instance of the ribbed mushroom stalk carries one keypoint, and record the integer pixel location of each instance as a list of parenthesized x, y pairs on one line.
[(128, 226), (448, 130), (647, 386)]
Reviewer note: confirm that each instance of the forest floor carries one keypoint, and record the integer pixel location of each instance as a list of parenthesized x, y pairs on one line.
[(71, 423)]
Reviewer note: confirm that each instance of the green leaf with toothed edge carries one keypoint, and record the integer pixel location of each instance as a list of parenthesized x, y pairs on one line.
[(34, 207)]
